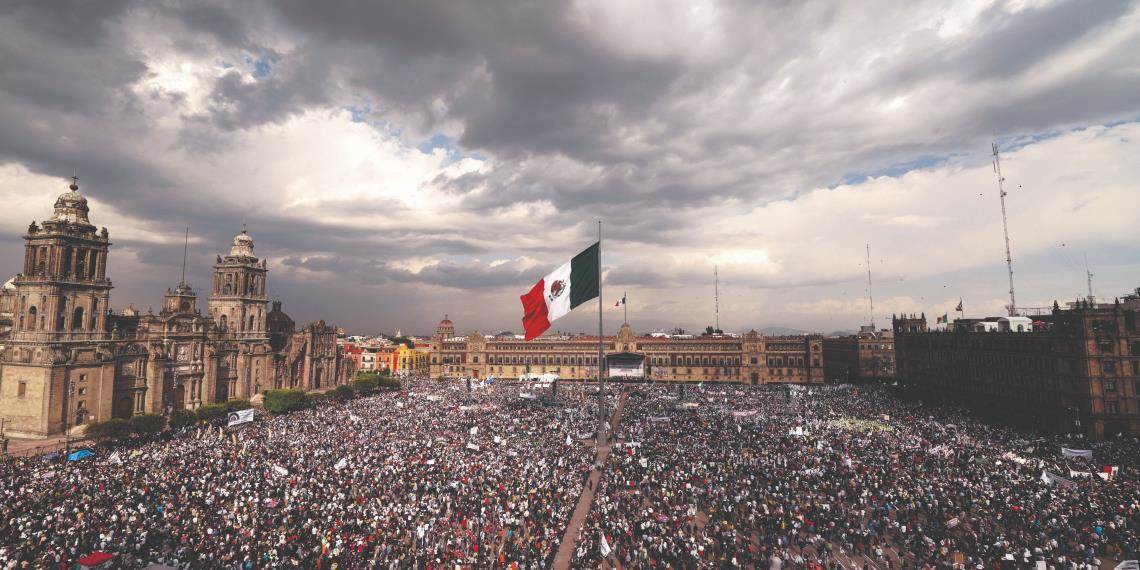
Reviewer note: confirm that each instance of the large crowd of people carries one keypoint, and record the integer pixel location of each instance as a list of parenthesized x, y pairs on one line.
[(432, 476), (440, 474), (850, 477)]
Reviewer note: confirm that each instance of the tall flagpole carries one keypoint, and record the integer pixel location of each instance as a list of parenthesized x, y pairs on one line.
[(601, 357)]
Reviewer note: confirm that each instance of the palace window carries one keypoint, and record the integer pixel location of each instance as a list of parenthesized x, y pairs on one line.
[(1110, 385)]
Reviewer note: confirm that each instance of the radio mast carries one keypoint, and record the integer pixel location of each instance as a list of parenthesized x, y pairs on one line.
[(1005, 229), (870, 297), (716, 296), (1089, 276)]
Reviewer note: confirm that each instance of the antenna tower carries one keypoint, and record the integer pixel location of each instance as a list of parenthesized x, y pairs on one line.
[(870, 297), (716, 295), (1089, 276), (1005, 229)]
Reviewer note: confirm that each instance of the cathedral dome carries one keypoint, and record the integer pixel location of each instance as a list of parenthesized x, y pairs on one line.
[(71, 206), (243, 245)]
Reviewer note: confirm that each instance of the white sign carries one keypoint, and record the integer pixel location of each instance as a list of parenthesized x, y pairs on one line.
[(240, 417)]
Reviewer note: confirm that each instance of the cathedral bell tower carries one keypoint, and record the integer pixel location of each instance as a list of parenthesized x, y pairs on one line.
[(238, 301), (62, 292)]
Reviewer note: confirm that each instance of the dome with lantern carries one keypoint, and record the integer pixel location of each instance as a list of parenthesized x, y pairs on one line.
[(71, 206), (243, 244)]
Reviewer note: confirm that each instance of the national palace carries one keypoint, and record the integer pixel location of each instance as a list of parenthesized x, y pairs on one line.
[(67, 359), (751, 358)]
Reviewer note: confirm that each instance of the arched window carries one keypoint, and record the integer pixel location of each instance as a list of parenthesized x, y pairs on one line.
[(77, 319), (32, 318), (222, 322), (41, 260), (81, 263), (66, 265), (250, 323)]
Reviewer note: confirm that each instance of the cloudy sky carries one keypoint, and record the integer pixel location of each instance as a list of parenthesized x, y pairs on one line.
[(396, 161)]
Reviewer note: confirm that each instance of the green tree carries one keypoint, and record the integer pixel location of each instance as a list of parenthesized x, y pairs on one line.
[(147, 424), (235, 405), (281, 401), (366, 385), (111, 430), (404, 341), (342, 393), (182, 418), (211, 412)]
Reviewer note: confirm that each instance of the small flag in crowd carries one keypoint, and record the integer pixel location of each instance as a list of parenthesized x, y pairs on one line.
[(115, 458), (572, 284), (605, 546), (341, 464)]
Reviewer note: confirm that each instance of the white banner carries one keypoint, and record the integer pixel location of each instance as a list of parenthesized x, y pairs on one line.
[(1086, 453), (341, 464), (605, 546), (1128, 565), (472, 447), (280, 470), (240, 417), (1052, 479)]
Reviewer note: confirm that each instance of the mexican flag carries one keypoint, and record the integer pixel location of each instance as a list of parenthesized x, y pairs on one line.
[(572, 284)]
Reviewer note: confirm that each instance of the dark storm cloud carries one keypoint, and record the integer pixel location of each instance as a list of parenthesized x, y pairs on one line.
[(444, 274), (645, 134)]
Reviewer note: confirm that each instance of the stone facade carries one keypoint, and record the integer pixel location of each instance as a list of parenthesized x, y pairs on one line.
[(67, 360), (863, 357), (751, 358), (1075, 369), (312, 360)]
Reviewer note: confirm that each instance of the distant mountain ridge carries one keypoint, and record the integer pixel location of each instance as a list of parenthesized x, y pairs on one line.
[(780, 331)]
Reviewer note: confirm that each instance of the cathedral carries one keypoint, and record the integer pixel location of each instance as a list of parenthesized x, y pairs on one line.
[(68, 360)]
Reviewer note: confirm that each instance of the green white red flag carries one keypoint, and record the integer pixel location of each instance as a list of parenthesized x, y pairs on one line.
[(556, 294)]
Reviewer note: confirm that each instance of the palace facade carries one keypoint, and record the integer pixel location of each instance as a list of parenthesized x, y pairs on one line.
[(751, 358), (67, 359), (1075, 369)]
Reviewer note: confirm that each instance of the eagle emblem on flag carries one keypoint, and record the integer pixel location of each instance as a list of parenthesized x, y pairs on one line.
[(556, 289)]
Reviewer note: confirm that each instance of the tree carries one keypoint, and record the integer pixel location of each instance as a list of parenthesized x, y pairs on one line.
[(404, 341), (235, 405), (111, 430), (182, 418), (366, 385), (281, 401), (211, 412), (342, 393), (147, 424)]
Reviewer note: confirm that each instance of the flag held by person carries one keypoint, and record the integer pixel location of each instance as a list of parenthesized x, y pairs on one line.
[(560, 291), (605, 546)]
